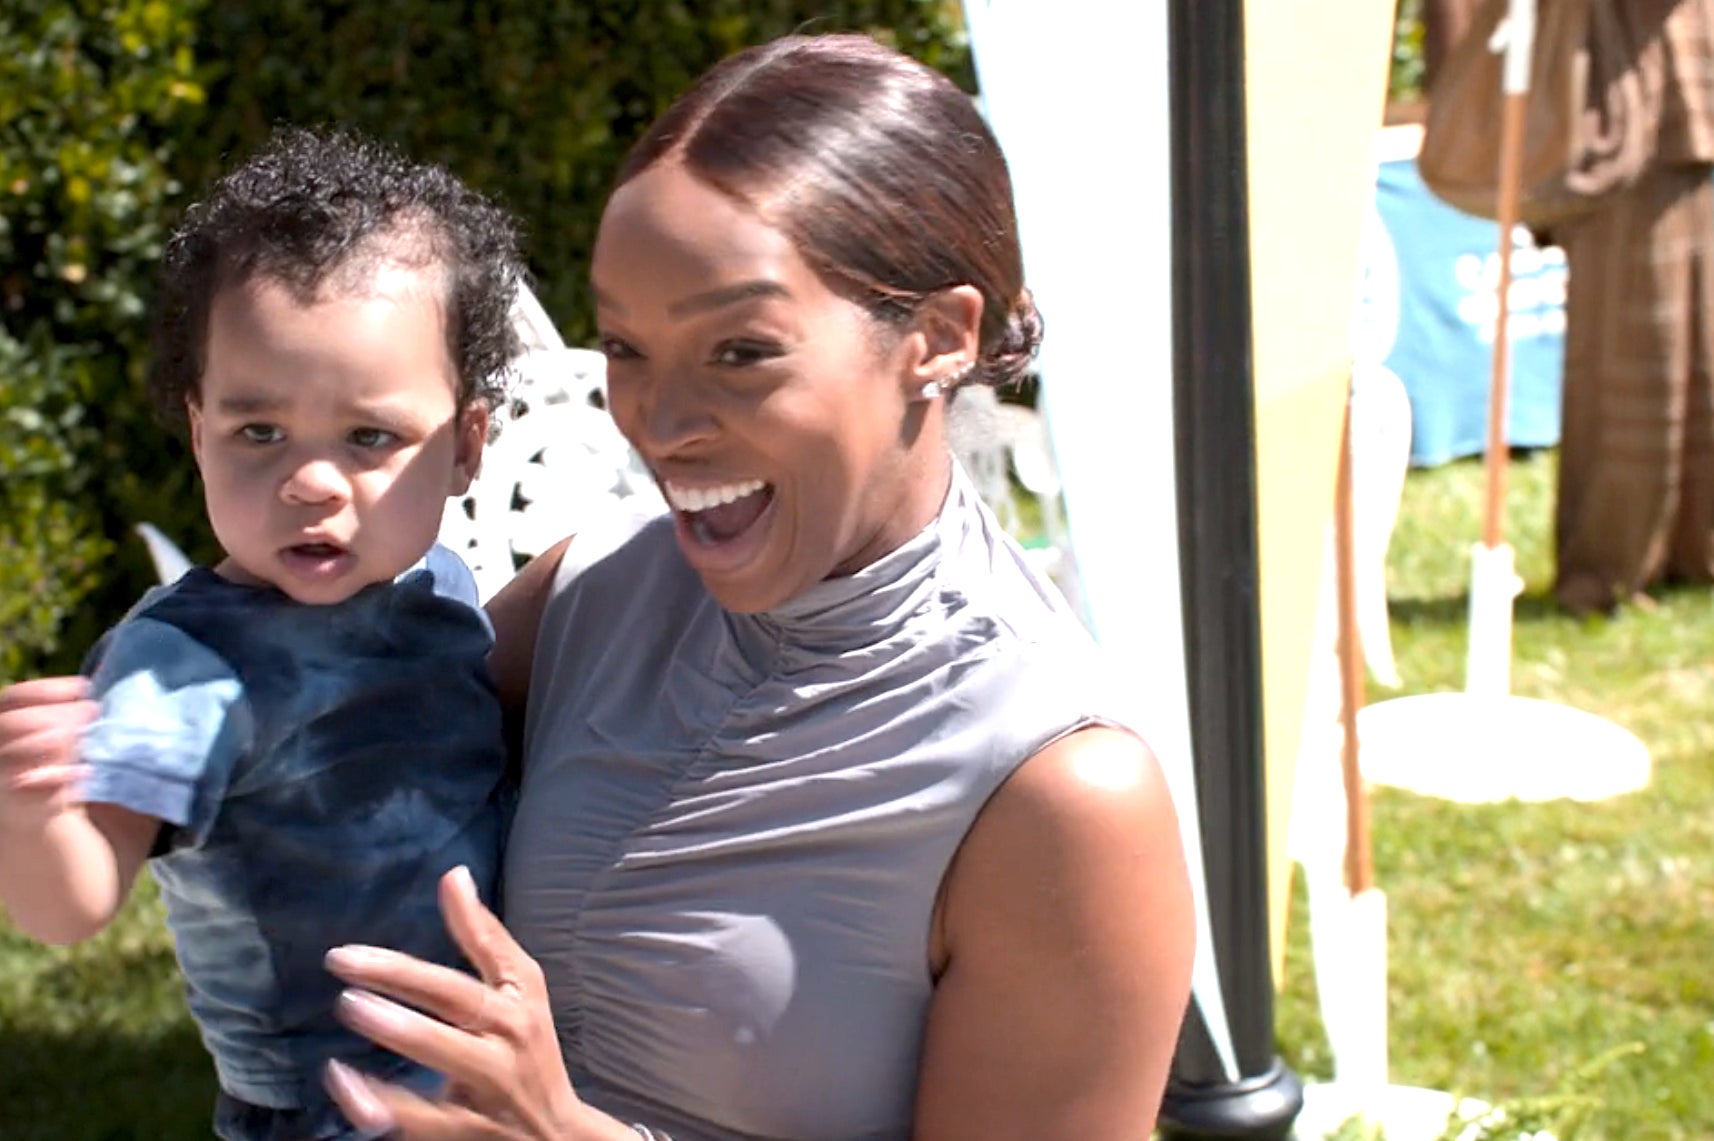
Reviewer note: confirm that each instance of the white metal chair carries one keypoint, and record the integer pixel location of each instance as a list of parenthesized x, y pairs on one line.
[(170, 562), (555, 461)]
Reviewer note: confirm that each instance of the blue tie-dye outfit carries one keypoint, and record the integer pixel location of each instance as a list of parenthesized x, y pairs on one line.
[(318, 768)]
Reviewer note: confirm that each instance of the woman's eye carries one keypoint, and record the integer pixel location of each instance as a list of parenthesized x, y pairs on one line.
[(261, 434), (615, 349), (372, 437), (742, 354)]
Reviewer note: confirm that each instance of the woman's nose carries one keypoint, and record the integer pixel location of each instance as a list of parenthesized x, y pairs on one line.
[(315, 480), (669, 417)]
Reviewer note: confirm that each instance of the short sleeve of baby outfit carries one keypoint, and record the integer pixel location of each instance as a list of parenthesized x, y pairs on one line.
[(173, 721), (452, 579)]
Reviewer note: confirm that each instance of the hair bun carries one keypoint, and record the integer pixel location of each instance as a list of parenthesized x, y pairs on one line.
[(1014, 352)]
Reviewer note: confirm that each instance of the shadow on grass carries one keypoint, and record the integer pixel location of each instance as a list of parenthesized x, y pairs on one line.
[(1454, 610), (91, 1085), (1530, 608), (97, 1047)]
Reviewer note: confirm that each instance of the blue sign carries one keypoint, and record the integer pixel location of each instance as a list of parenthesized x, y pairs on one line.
[(1427, 310)]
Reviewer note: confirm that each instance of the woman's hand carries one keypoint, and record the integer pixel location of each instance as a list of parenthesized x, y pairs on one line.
[(493, 1037)]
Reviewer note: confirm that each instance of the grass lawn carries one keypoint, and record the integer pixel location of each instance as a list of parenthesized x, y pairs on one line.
[(94, 1041), (1526, 939)]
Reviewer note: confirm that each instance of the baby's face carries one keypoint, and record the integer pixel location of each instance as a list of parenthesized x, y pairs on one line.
[(328, 433)]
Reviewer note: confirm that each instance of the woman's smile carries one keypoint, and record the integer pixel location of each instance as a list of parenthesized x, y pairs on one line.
[(714, 515), (691, 497), (722, 527)]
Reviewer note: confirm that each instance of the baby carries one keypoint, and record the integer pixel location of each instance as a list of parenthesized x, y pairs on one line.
[(304, 738)]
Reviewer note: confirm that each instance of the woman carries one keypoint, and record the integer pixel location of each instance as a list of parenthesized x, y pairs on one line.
[(829, 826)]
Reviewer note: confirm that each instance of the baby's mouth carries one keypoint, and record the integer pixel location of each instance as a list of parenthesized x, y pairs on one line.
[(318, 551)]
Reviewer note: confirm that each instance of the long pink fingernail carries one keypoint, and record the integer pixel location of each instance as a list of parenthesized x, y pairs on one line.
[(352, 957), (363, 1011), (354, 1096)]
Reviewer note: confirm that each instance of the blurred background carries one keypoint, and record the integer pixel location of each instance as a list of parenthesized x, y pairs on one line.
[(115, 114)]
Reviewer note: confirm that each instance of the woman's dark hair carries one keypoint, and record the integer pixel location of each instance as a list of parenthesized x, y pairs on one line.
[(878, 168), (313, 209)]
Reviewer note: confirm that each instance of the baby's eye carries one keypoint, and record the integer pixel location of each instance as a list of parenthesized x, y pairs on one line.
[(742, 354), (372, 437), (615, 349), (261, 433)]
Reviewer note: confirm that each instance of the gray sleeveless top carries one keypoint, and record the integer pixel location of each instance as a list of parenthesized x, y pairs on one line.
[(733, 827)]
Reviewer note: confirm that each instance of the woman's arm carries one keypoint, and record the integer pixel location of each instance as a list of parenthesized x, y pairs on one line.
[(516, 612), (1065, 934)]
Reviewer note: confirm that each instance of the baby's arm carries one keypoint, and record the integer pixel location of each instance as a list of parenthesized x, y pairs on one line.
[(62, 872), (80, 813), (64, 876)]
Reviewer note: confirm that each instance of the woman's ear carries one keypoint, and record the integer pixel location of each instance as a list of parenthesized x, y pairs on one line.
[(945, 341)]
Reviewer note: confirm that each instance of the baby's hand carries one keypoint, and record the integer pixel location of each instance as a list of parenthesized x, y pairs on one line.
[(40, 724)]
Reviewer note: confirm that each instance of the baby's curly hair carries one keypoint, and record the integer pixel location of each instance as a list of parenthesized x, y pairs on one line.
[(326, 208)]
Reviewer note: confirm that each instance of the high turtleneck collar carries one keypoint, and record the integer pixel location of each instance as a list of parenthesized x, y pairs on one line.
[(878, 600)]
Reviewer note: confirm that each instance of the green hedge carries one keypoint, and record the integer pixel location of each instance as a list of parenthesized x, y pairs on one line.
[(108, 111), (1404, 80), (92, 97), (533, 101)]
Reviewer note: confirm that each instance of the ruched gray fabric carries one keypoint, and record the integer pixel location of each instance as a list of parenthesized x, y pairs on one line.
[(733, 827)]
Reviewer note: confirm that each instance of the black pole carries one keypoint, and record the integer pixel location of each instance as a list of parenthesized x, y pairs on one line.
[(1214, 416)]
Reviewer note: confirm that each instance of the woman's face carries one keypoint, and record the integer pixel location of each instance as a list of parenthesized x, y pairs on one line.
[(781, 420)]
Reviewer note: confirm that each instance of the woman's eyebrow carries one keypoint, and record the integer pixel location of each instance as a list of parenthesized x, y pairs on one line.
[(709, 299), (727, 295)]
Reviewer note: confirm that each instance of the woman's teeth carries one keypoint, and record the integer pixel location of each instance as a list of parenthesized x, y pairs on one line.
[(702, 498)]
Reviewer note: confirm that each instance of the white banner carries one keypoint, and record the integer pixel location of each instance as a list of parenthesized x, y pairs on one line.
[(1077, 95)]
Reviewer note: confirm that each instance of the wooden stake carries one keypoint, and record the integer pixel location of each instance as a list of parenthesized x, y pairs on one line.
[(1359, 871), (1511, 174)]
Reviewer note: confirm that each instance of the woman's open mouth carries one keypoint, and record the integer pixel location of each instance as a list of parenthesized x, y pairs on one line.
[(721, 528), (717, 514)]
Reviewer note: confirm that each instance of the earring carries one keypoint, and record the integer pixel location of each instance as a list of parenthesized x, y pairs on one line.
[(935, 389)]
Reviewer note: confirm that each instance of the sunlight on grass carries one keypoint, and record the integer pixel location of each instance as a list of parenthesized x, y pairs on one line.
[(1528, 938)]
